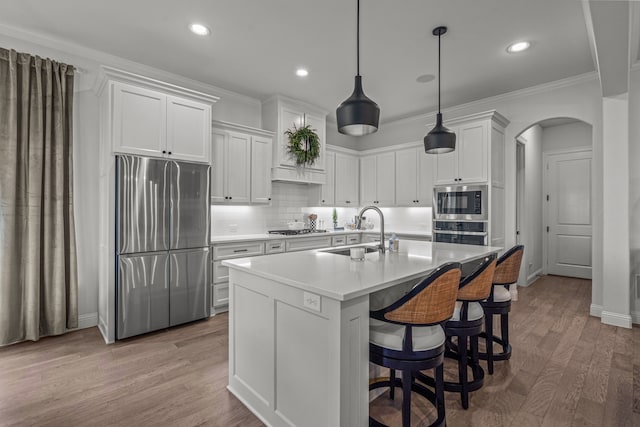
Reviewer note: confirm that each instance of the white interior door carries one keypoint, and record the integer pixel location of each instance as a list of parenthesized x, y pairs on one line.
[(569, 219)]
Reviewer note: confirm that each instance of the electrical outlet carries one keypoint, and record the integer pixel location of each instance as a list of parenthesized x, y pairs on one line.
[(311, 301)]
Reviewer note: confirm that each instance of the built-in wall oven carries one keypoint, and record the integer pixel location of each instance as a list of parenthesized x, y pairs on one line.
[(460, 214), (463, 232)]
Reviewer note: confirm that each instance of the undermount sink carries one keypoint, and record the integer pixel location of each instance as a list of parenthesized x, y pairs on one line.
[(347, 251)]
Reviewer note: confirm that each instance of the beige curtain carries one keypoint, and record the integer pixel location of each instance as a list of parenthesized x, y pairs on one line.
[(38, 275)]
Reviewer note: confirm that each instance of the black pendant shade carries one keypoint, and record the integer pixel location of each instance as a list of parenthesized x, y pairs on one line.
[(441, 139), (358, 115)]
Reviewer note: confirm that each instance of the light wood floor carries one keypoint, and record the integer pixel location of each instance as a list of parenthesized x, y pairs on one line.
[(567, 369)]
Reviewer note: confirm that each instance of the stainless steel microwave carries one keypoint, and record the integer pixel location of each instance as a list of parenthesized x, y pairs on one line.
[(460, 202)]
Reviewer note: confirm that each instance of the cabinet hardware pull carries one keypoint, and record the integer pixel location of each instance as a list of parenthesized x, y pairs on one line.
[(269, 198), (275, 247), (240, 250), (170, 152), (164, 151)]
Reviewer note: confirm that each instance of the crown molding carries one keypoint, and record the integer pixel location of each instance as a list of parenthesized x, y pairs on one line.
[(107, 74), (304, 104), (221, 124), (83, 54), (342, 150), (492, 100)]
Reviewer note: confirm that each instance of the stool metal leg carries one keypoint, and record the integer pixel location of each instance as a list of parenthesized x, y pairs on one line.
[(504, 330), (406, 398), (392, 390), (462, 371), (488, 330)]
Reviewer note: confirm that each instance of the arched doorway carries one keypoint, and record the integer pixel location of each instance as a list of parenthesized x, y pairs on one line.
[(553, 159)]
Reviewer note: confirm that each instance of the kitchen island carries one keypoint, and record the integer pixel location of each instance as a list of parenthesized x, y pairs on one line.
[(299, 328)]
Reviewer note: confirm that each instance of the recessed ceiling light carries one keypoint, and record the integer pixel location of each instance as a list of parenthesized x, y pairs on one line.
[(518, 47), (302, 72), (199, 29), (425, 78)]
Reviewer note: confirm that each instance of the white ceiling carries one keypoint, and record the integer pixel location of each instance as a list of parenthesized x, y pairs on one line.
[(256, 45)]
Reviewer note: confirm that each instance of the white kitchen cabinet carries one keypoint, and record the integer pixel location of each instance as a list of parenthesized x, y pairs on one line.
[(468, 162), (260, 169), (220, 279), (280, 114), (340, 240), (346, 180), (328, 189), (231, 167), (240, 164), (150, 122), (475, 140), (377, 179), (353, 239), (414, 177), (274, 247), (305, 243), (188, 129)]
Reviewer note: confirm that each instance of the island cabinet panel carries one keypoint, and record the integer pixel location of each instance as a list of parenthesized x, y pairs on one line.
[(293, 360), (301, 378), (251, 319)]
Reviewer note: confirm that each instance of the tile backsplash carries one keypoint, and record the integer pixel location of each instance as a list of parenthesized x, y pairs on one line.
[(290, 201)]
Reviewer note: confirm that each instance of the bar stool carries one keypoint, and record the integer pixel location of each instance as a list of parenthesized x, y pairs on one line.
[(499, 302), (466, 326), (407, 336)]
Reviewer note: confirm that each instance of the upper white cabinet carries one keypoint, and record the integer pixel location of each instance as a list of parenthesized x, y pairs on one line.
[(471, 161), (328, 189), (341, 188), (346, 180), (138, 121), (188, 129), (280, 114), (414, 177), (230, 167), (149, 118), (240, 164), (260, 169), (377, 179)]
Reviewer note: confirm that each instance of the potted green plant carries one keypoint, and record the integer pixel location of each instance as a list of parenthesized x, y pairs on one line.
[(304, 144), (334, 216)]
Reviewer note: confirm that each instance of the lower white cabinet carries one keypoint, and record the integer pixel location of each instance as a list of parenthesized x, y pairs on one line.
[(306, 243), (220, 297), (274, 247), (339, 240), (220, 279)]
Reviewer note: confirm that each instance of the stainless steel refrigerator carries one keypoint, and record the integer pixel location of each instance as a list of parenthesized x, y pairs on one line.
[(162, 244)]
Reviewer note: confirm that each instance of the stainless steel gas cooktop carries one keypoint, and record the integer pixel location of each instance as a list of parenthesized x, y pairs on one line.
[(295, 232)]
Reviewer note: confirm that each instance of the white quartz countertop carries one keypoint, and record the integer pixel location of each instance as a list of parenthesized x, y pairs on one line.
[(266, 236), (338, 277)]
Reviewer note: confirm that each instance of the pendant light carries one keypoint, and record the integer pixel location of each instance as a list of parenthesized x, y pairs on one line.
[(440, 139), (358, 115)]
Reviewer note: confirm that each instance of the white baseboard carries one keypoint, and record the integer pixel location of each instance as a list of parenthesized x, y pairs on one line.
[(534, 276), (616, 319), (102, 327), (88, 320), (595, 310)]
